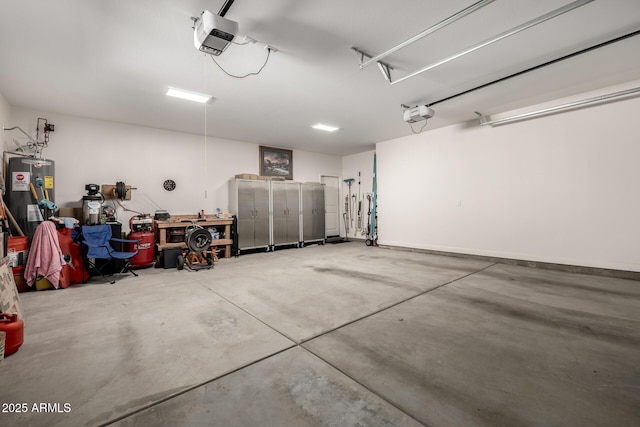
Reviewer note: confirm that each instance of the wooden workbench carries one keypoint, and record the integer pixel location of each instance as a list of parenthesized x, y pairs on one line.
[(163, 228)]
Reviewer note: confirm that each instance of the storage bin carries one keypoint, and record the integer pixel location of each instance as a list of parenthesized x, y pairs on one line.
[(170, 257), (18, 250)]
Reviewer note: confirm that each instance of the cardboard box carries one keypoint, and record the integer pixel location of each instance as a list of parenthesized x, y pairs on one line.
[(9, 299), (70, 212), (18, 278), (18, 250), (246, 176)]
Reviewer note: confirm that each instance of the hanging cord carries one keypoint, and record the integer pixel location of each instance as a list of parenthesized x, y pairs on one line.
[(206, 177), (248, 74), (124, 208), (421, 129), (119, 191), (248, 39)]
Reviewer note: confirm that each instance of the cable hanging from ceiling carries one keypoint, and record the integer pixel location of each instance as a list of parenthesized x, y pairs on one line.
[(418, 131), (254, 73)]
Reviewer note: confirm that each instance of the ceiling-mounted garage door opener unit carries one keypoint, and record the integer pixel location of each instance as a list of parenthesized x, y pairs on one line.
[(213, 33)]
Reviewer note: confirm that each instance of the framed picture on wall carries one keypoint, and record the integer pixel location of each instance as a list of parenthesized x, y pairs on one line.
[(276, 162)]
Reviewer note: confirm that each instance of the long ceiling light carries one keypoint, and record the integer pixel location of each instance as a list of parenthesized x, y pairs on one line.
[(191, 96), (485, 120), (432, 29), (325, 128), (503, 35)]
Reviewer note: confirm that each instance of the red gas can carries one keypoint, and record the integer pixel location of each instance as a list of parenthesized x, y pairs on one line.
[(142, 229), (14, 328), (79, 273)]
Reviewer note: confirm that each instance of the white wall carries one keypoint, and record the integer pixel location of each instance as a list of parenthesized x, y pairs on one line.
[(555, 189), (100, 152), (560, 189), (5, 115), (307, 166)]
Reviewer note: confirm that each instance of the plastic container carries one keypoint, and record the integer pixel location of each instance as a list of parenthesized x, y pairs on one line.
[(71, 276), (18, 277), (14, 330), (18, 250), (42, 284), (170, 257), (176, 236)]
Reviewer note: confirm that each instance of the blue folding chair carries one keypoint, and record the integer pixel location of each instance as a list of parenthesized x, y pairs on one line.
[(96, 243)]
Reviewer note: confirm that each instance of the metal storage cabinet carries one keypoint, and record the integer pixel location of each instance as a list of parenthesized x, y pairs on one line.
[(285, 213), (250, 201), (313, 214)]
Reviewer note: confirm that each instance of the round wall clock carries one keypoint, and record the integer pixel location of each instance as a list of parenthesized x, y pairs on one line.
[(169, 185)]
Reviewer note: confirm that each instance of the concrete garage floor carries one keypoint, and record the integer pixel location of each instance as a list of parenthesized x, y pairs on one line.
[(334, 335)]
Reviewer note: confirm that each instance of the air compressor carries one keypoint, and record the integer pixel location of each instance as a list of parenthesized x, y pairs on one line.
[(142, 230)]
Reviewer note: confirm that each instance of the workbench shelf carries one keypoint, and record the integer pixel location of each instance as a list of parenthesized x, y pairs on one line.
[(163, 228)]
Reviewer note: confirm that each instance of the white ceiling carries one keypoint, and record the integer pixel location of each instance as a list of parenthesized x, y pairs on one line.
[(113, 60)]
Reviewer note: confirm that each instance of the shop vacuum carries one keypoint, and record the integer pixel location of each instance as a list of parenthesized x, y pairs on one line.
[(142, 230)]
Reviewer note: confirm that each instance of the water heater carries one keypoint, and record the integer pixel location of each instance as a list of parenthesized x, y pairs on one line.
[(29, 185)]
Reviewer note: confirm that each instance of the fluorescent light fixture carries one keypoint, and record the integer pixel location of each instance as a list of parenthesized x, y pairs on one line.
[(191, 96), (325, 128), (485, 120)]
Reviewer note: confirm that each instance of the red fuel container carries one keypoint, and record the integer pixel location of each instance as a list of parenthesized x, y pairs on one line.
[(14, 329)]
